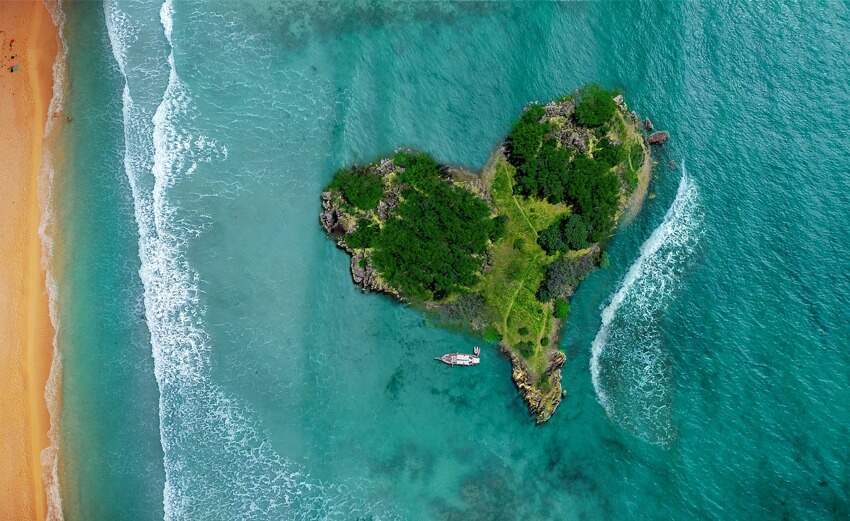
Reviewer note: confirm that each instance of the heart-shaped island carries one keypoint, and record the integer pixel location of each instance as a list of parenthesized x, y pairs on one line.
[(500, 252)]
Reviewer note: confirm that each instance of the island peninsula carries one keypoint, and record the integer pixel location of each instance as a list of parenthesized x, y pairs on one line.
[(500, 252)]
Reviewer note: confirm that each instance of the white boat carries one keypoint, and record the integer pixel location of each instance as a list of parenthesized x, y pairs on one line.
[(461, 358)]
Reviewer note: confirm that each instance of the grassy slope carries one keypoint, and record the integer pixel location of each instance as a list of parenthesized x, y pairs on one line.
[(509, 286)]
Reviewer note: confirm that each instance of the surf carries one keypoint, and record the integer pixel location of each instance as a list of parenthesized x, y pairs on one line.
[(628, 364), (47, 231), (217, 460)]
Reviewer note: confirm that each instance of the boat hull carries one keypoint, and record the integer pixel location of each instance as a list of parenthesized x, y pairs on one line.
[(459, 359)]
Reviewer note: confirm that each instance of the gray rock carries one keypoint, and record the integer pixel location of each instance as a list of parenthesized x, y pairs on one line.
[(365, 276), (560, 108)]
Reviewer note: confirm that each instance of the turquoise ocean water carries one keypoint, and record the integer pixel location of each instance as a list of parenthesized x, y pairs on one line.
[(219, 364)]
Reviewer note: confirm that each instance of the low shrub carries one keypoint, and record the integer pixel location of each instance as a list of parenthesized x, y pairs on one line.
[(525, 348), (562, 308)]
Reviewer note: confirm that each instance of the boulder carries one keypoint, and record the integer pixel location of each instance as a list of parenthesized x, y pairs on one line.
[(621, 102), (560, 108), (388, 204), (330, 216), (658, 138), (385, 167), (647, 124)]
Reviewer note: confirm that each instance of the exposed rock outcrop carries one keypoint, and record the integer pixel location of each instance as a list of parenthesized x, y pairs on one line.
[(658, 138), (543, 396), (337, 223), (333, 220), (364, 275), (563, 109)]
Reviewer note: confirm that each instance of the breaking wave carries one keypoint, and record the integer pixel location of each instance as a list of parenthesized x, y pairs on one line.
[(628, 364), (217, 463), (49, 457)]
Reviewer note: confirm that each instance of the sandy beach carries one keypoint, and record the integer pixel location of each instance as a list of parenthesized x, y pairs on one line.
[(28, 46)]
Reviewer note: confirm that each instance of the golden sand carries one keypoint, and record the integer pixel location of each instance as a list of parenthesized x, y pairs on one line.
[(28, 43)]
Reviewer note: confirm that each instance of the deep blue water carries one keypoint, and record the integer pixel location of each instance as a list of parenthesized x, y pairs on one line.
[(219, 364)]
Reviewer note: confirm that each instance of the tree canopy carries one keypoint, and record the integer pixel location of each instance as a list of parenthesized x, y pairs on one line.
[(359, 187), (527, 135), (595, 106), (568, 233), (433, 243)]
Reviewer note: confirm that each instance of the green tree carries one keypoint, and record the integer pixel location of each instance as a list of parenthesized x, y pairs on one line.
[(551, 239), (563, 275), (359, 187), (363, 236), (418, 168), (545, 175), (434, 242), (574, 232), (594, 192), (526, 136), (595, 106), (609, 153)]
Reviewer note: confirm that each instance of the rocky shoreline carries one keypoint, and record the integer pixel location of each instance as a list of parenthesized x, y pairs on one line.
[(541, 403), (337, 223)]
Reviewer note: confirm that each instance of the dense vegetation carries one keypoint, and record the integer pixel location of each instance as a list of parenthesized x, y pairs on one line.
[(358, 187), (527, 135), (433, 243), (563, 275), (547, 169), (567, 233), (595, 106)]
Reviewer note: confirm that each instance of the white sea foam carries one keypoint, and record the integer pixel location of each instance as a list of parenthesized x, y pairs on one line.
[(49, 457), (217, 464), (628, 363)]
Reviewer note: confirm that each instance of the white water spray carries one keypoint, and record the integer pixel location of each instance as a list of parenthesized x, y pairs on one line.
[(628, 364), (218, 465)]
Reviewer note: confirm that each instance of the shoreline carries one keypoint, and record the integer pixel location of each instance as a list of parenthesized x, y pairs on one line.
[(30, 43)]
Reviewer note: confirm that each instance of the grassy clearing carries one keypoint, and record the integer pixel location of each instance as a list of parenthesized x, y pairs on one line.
[(509, 287)]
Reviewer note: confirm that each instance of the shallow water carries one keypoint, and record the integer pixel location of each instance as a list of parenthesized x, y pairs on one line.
[(220, 364)]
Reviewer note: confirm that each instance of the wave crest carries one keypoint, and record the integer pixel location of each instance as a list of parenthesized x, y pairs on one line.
[(218, 464), (628, 365)]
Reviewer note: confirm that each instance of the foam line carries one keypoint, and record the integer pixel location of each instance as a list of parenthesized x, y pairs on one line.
[(628, 331), (218, 465), (50, 455)]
